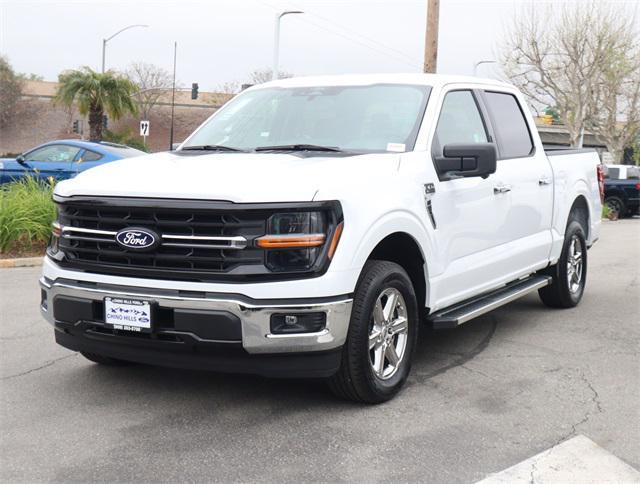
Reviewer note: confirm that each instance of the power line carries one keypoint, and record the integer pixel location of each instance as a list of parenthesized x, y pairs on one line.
[(369, 39), (406, 59)]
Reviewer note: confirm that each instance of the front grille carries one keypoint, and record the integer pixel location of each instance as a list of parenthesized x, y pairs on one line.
[(196, 242)]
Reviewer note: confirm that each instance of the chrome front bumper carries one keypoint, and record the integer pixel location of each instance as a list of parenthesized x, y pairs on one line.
[(254, 315)]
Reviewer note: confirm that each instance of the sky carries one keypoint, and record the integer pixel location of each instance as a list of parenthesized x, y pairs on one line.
[(222, 41)]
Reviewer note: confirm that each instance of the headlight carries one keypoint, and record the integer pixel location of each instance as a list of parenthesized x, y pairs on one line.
[(295, 240), (56, 231)]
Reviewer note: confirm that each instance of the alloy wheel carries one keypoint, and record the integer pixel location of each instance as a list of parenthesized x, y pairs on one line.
[(388, 334), (574, 265)]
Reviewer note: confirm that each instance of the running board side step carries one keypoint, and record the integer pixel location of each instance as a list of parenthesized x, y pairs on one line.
[(460, 313)]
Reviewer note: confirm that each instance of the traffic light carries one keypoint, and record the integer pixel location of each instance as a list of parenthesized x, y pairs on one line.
[(105, 121), (76, 126), (194, 90)]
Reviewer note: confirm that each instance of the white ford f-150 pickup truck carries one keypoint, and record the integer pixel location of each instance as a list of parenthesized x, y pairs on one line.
[(310, 226)]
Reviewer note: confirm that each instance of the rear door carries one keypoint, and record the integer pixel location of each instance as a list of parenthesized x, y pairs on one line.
[(525, 179)]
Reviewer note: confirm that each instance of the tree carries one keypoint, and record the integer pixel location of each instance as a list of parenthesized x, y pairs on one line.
[(557, 58), (616, 115), (10, 91), (32, 77), (152, 81), (259, 76), (97, 93)]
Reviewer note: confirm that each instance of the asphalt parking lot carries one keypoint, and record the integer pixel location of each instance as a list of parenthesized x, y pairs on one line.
[(481, 398)]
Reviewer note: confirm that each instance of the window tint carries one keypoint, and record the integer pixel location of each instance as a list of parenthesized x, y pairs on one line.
[(91, 156), (59, 153), (511, 128), (459, 121)]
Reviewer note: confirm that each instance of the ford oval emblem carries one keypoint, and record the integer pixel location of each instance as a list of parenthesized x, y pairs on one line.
[(137, 239)]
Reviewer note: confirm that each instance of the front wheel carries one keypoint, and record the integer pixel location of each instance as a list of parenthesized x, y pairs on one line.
[(382, 335), (569, 275)]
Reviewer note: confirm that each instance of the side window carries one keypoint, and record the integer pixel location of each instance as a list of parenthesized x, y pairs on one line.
[(91, 156), (53, 153), (510, 125), (460, 121)]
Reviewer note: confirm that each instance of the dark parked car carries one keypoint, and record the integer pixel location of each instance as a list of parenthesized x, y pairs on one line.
[(63, 159), (622, 189)]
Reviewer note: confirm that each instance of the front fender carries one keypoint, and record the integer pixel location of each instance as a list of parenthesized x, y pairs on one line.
[(398, 221)]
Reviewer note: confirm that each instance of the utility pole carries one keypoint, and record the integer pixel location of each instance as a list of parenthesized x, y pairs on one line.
[(431, 37), (173, 94)]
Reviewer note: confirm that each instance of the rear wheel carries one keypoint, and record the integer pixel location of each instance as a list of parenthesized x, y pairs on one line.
[(569, 275), (104, 360), (382, 335)]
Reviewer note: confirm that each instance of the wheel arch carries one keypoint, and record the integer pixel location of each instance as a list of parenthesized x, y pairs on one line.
[(403, 249), (580, 207)]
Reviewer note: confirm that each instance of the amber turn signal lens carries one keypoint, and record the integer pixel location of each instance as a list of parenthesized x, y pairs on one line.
[(335, 239), (56, 229), (290, 241)]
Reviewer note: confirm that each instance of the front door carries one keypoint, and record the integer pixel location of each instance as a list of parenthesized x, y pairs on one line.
[(468, 214), (50, 161)]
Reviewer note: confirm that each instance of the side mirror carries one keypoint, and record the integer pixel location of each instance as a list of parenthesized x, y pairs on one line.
[(20, 159), (467, 160), (174, 146)]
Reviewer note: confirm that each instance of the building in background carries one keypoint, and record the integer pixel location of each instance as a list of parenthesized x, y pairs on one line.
[(39, 119)]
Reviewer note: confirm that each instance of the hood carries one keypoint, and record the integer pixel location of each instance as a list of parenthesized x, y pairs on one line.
[(235, 177)]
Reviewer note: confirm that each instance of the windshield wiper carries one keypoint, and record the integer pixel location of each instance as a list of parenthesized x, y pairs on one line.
[(210, 148), (298, 147)]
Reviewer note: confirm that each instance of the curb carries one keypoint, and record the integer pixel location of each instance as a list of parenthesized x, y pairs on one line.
[(21, 262)]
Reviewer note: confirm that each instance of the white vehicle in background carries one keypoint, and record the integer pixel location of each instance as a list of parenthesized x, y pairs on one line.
[(310, 226)]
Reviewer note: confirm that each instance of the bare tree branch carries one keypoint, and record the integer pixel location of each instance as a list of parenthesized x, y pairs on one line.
[(152, 82), (577, 57)]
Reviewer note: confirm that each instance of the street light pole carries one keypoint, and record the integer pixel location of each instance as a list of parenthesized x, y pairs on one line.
[(479, 63), (276, 41), (104, 41), (173, 94)]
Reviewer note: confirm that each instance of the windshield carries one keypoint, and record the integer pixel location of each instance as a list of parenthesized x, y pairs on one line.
[(381, 117)]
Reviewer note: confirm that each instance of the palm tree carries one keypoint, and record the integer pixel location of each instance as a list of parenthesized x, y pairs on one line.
[(97, 93)]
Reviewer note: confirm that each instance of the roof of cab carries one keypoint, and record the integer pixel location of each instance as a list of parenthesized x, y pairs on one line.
[(434, 80)]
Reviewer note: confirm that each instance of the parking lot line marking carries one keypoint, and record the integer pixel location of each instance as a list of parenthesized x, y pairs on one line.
[(578, 460)]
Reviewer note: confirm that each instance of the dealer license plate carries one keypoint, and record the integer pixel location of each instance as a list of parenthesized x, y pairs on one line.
[(127, 314)]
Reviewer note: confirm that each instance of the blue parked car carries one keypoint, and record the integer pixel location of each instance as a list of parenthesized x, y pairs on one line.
[(63, 159)]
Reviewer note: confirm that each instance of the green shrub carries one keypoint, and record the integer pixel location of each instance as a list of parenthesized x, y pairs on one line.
[(125, 137), (26, 213)]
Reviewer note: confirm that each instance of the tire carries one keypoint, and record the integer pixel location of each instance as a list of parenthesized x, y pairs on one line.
[(616, 205), (376, 340), (104, 360), (561, 293)]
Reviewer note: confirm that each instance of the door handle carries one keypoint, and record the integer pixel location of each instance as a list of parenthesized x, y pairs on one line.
[(544, 180), (501, 189)]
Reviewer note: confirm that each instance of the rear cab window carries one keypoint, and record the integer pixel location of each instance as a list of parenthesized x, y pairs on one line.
[(511, 129)]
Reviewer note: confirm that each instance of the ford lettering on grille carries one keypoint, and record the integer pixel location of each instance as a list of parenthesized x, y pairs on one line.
[(137, 239)]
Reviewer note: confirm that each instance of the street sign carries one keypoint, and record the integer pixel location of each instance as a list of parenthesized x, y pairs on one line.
[(144, 128)]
